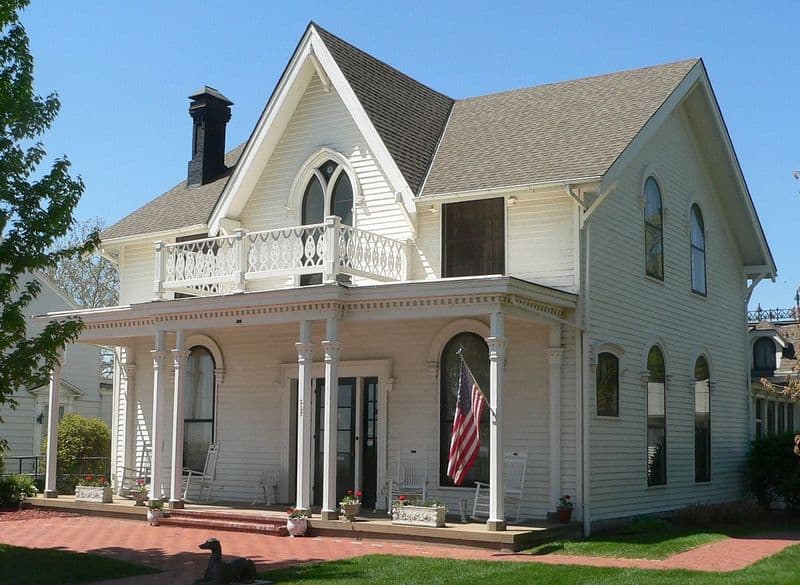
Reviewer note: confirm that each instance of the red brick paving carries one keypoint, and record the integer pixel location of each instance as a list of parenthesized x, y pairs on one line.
[(174, 549)]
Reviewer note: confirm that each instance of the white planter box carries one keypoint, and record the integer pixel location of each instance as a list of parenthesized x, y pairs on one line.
[(419, 515), (99, 495)]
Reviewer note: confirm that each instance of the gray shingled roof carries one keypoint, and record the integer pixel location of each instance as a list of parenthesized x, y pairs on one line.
[(553, 132), (181, 206)]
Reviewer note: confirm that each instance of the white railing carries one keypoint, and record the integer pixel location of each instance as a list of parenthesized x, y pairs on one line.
[(225, 264)]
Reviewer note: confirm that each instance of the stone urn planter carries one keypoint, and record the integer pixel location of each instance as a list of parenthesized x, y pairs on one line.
[(296, 526), (350, 511), (154, 516), (419, 515), (139, 498), (98, 495)]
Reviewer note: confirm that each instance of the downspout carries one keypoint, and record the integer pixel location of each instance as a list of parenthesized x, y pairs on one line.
[(585, 382)]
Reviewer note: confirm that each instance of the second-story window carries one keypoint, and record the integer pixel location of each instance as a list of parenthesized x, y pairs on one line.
[(764, 361), (473, 238), (698, 248), (653, 230)]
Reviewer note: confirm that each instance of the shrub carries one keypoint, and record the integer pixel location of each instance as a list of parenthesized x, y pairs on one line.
[(79, 440), (774, 472), (14, 489), (741, 513)]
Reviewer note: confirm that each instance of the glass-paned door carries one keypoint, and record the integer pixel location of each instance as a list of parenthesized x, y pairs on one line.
[(345, 438), (369, 444)]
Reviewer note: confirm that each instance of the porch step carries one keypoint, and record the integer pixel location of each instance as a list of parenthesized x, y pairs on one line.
[(256, 523)]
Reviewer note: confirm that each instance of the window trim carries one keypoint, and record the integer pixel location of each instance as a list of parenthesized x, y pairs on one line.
[(294, 200), (648, 177), (692, 247)]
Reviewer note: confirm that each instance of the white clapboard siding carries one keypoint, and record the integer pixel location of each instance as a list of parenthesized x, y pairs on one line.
[(250, 406), (137, 265), (631, 310)]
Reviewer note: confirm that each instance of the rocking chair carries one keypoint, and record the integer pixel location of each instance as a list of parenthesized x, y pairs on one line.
[(514, 475), (411, 477), (202, 479)]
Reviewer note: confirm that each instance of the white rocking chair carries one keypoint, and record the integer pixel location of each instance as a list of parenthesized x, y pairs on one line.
[(411, 477), (268, 485), (515, 463), (202, 479)]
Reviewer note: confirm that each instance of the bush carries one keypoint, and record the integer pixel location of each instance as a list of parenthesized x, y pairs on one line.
[(725, 514), (774, 472), (14, 489), (84, 446)]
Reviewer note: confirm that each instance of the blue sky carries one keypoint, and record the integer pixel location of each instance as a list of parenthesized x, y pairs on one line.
[(124, 70)]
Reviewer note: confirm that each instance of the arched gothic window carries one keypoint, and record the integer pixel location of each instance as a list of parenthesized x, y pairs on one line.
[(653, 230), (607, 384), (698, 251), (656, 418), (476, 354), (198, 407), (702, 421)]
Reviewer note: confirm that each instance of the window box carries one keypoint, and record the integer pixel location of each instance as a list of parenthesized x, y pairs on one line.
[(419, 515), (97, 495)]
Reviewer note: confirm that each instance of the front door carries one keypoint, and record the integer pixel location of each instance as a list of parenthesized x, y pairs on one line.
[(356, 438)]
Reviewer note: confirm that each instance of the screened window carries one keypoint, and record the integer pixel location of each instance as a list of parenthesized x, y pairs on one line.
[(653, 230), (759, 410), (476, 354), (702, 421), (770, 417), (764, 361), (790, 417), (198, 411), (698, 251), (781, 417), (656, 418), (473, 234), (607, 385)]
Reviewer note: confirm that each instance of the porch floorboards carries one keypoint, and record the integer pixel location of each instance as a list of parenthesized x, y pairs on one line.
[(368, 525)]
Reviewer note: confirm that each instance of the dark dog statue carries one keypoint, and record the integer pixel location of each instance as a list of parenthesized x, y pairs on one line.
[(221, 572)]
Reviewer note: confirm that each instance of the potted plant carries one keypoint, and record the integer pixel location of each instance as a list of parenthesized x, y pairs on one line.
[(351, 505), (91, 488), (418, 513), (564, 509), (296, 522), (139, 493), (155, 512)]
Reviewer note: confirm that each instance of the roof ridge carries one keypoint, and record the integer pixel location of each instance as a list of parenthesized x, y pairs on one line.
[(586, 78)]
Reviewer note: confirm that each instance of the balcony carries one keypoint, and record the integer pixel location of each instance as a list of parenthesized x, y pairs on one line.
[(236, 263)]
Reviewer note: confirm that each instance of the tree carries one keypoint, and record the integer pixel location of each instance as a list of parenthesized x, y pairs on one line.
[(36, 207), (90, 280)]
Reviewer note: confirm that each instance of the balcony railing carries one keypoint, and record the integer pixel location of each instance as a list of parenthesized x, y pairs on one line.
[(789, 315), (225, 264)]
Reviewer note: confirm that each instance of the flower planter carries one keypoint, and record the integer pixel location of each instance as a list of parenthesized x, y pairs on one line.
[(154, 516), (296, 526), (350, 511), (139, 498), (419, 515), (99, 495), (564, 515)]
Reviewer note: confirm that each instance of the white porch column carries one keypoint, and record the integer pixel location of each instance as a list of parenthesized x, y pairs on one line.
[(160, 356), (331, 346), (50, 489), (180, 358), (554, 358), (497, 358), (305, 416)]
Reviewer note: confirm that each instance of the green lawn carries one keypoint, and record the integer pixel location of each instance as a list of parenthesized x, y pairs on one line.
[(782, 569), (33, 566), (647, 545)]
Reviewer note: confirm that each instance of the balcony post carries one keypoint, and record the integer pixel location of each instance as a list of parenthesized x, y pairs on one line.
[(331, 260), (158, 273), (241, 249), (408, 249)]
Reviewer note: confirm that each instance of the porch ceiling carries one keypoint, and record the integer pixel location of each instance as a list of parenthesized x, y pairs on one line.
[(453, 297)]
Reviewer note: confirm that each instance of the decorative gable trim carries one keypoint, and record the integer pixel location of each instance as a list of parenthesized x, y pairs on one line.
[(311, 57)]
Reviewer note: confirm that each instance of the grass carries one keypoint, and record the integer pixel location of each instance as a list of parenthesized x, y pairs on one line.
[(33, 566), (780, 569)]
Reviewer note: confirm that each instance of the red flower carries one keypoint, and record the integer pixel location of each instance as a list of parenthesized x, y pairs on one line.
[(139, 482), (359, 493), (90, 477), (102, 479), (349, 492), (566, 497), (402, 498), (290, 510)]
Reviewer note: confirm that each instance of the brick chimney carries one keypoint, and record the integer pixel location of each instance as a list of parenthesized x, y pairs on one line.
[(210, 112)]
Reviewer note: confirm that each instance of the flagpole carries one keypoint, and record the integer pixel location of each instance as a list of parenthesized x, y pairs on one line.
[(459, 353)]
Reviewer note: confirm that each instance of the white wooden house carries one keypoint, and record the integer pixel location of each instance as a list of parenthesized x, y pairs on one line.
[(80, 390), (590, 244)]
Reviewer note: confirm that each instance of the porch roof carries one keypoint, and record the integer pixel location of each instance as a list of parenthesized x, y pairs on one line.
[(467, 296)]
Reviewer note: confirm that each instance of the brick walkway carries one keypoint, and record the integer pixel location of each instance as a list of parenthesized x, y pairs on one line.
[(174, 550)]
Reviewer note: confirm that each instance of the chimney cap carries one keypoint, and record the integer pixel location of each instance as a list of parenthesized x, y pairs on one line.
[(207, 90)]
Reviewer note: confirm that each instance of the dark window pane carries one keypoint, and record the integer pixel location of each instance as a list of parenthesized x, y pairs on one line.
[(656, 418), (653, 230), (790, 417), (781, 417), (198, 408), (702, 421), (759, 409), (698, 251), (474, 238), (313, 203), (770, 417), (327, 169), (476, 354), (764, 360), (342, 199), (607, 385)]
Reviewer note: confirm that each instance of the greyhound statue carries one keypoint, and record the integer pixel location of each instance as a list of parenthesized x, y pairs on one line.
[(221, 572)]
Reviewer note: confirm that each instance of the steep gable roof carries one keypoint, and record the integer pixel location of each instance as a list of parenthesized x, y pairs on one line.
[(568, 130)]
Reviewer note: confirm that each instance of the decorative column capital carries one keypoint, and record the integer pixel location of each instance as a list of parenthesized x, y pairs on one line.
[(305, 351), (331, 349), (160, 357), (497, 347), (180, 357), (554, 355)]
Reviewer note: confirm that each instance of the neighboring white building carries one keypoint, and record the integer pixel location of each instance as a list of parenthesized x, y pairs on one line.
[(80, 391), (591, 245)]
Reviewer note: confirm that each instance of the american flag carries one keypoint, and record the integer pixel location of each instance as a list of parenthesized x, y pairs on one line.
[(465, 440)]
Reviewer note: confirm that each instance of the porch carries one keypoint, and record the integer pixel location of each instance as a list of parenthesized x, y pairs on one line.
[(237, 516)]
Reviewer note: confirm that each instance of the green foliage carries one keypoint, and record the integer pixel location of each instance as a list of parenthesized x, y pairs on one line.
[(774, 471), (14, 489), (80, 438), (36, 206)]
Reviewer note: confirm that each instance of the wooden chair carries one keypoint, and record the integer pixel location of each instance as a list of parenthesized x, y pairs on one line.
[(202, 479), (128, 480), (268, 485), (411, 476), (514, 474)]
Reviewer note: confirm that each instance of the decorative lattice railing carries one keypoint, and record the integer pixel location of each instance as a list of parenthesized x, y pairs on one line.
[(225, 264)]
